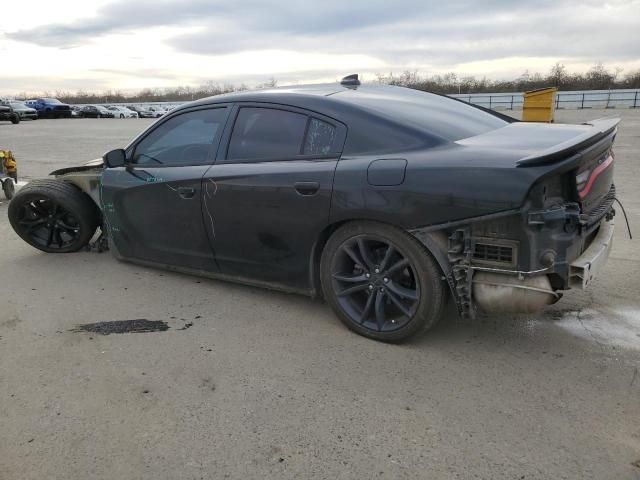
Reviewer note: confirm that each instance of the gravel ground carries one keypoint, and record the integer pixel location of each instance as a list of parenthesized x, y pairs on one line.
[(248, 383)]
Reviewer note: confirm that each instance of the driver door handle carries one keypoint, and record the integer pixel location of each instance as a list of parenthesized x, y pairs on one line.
[(186, 192), (307, 188)]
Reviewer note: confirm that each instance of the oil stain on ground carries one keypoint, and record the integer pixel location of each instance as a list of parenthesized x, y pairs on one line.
[(139, 325)]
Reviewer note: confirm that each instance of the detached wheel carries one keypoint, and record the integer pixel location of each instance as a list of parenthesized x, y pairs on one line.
[(8, 187), (381, 282), (53, 216)]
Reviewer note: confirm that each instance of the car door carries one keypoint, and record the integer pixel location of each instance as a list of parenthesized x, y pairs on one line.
[(267, 197), (153, 204)]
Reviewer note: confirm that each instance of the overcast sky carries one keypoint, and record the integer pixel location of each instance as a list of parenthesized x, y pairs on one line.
[(131, 44)]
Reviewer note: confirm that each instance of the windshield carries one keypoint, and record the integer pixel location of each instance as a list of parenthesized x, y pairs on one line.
[(17, 105), (51, 100)]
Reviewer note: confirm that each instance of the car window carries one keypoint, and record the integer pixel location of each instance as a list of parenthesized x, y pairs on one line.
[(437, 115), (266, 133), (184, 139), (320, 138)]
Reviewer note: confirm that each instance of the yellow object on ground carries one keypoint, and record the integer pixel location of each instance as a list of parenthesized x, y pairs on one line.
[(8, 164), (539, 105)]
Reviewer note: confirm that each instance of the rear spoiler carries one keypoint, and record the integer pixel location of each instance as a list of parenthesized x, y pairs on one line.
[(601, 128)]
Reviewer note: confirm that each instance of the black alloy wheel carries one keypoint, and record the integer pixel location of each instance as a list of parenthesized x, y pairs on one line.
[(381, 282), (48, 224), (375, 283), (53, 216)]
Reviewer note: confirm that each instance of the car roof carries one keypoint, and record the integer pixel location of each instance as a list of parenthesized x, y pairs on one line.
[(298, 91), (332, 99), (420, 110)]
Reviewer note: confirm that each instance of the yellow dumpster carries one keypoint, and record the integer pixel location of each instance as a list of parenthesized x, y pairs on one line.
[(539, 105)]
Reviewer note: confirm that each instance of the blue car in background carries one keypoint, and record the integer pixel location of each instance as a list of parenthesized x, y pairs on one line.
[(50, 108)]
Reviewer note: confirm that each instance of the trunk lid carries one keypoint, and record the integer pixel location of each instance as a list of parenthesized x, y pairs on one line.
[(582, 154)]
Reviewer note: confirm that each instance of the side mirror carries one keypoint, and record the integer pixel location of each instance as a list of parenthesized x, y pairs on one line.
[(115, 158)]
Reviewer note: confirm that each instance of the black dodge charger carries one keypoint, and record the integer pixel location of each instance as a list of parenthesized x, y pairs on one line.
[(383, 200)]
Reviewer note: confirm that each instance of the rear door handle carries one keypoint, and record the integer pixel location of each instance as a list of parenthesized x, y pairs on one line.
[(307, 188), (186, 192)]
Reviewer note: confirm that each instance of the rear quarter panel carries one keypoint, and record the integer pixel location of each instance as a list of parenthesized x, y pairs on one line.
[(440, 185)]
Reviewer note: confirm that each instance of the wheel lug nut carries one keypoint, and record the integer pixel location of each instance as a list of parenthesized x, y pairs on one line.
[(382, 289), (370, 287), (377, 270), (367, 275), (385, 279)]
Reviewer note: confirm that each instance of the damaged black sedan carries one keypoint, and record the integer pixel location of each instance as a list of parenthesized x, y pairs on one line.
[(383, 200)]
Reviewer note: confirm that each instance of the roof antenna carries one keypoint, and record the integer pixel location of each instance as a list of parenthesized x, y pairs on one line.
[(350, 80)]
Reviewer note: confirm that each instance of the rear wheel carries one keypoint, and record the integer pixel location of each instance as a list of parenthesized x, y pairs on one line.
[(381, 282), (53, 216)]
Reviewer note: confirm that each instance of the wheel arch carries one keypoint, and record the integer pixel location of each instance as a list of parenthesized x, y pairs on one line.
[(86, 181)]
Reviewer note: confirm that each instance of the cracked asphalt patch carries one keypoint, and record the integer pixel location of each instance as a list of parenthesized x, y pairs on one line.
[(268, 385), (139, 325)]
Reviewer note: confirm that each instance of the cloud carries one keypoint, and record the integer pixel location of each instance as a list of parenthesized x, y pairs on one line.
[(431, 35), (254, 18)]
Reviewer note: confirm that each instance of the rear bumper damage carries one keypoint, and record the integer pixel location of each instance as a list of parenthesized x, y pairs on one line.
[(584, 269), (495, 265), (528, 292)]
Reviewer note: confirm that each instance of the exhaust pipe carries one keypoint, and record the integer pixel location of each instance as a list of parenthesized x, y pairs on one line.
[(502, 293)]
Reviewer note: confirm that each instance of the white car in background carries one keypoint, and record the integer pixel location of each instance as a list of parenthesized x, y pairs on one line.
[(122, 112), (157, 111)]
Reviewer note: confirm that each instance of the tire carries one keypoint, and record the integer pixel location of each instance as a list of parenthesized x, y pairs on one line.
[(15, 119), (122, 115), (396, 276), (8, 187), (53, 216)]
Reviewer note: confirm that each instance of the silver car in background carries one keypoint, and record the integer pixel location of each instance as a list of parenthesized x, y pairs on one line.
[(122, 112)]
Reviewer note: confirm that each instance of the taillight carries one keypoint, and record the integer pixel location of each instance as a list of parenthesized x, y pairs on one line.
[(587, 174)]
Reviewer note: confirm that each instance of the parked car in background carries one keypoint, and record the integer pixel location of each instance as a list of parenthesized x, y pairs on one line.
[(75, 111), (50, 108), (157, 111), (23, 110), (7, 114), (95, 111), (142, 112), (122, 112)]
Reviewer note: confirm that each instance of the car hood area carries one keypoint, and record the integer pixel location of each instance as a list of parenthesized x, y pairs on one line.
[(94, 164)]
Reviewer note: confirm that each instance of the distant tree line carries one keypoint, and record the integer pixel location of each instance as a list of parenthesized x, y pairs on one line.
[(596, 78)]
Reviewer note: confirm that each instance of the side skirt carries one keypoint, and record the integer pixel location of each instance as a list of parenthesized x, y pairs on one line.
[(215, 276)]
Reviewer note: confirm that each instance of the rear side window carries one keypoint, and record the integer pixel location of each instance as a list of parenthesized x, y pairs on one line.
[(185, 139), (320, 138), (266, 133)]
